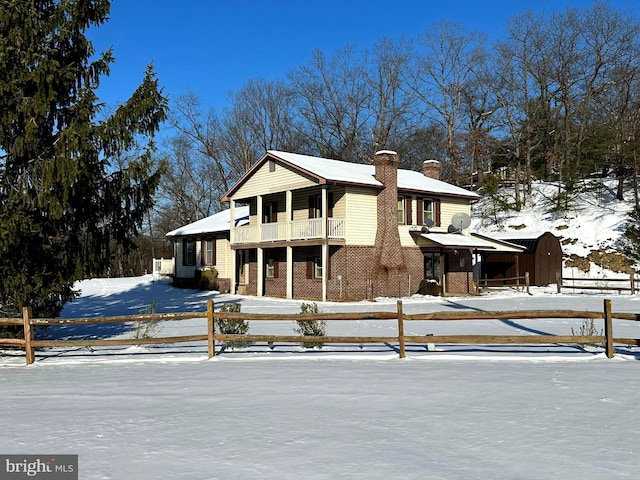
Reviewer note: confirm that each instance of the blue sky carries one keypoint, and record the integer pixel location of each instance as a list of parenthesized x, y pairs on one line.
[(214, 47)]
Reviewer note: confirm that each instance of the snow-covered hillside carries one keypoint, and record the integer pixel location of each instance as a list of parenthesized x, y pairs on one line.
[(596, 222)]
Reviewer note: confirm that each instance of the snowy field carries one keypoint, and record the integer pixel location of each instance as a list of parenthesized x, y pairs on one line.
[(459, 412)]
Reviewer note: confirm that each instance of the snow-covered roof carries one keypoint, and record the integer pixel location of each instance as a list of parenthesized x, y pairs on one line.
[(348, 172), (339, 171), (218, 222)]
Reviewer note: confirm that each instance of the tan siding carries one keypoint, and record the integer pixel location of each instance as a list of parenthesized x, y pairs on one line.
[(451, 207), (361, 216), (185, 271), (223, 257), (448, 209), (263, 182)]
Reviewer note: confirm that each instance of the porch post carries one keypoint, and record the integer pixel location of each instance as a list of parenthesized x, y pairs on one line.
[(289, 212), (289, 272), (260, 274), (233, 274), (325, 242), (325, 272)]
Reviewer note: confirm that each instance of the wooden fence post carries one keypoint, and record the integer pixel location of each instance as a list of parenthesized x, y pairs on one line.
[(526, 281), (29, 351), (559, 281), (211, 341), (400, 330), (633, 283), (608, 328)]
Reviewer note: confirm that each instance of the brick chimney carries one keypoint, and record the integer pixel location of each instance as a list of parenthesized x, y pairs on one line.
[(431, 169), (388, 257)]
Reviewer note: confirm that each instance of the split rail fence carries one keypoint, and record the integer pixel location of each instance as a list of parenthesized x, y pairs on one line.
[(29, 343), (603, 284), (517, 282)]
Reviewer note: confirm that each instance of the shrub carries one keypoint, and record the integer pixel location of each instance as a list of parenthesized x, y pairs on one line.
[(311, 328), (587, 329), (429, 286), (232, 326), (147, 328), (207, 279)]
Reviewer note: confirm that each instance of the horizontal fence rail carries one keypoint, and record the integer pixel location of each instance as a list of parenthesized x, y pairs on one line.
[(603, 284), (29, 343), (517, 282)]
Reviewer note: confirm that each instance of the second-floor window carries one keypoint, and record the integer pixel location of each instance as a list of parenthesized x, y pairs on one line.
[(315, 206), (427, 211), (401, 209), (270, 212)]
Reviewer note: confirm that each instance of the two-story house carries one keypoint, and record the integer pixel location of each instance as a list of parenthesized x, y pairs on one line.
[(314, 228)]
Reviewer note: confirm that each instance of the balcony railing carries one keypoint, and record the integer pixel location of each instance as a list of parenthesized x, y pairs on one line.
[(307, 229)]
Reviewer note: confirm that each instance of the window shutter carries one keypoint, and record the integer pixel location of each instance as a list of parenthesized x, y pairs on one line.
[(420, 212), (436, 206), (275, 268), (407, 210), (213, 250), (312, 213), (310, 267), (184, 251), (274, 212), (203, 251)]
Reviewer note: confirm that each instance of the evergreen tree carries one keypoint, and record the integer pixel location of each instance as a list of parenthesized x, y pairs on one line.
[(67, 199)]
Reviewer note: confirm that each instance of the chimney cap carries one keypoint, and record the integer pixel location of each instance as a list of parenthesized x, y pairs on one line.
[(430, 161), (386, 152)]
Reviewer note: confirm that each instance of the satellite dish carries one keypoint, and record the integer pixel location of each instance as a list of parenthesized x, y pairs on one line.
[(459, 221), (424, 229), (429, 223)]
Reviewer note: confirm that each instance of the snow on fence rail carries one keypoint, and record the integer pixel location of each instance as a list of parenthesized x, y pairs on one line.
[(29, 343)]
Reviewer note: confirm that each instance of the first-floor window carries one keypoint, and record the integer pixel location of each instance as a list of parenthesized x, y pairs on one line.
[(188, 251), (317, 267), (208, 252), (270, 268), (431, 265)]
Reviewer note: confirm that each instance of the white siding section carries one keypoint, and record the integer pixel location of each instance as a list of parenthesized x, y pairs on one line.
[(361, 216), (263, 182)]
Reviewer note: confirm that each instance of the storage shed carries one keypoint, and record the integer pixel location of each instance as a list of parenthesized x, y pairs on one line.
[(542, 258)]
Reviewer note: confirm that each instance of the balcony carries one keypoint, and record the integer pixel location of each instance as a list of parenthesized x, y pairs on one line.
[(307, 229)]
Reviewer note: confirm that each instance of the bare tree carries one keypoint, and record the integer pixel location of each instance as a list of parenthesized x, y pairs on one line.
[(442, 71), (333, 99), (262, 117), (391, 107)]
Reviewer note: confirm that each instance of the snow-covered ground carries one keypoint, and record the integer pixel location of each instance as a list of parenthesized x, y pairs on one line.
[(460, 412), (594, 221)]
